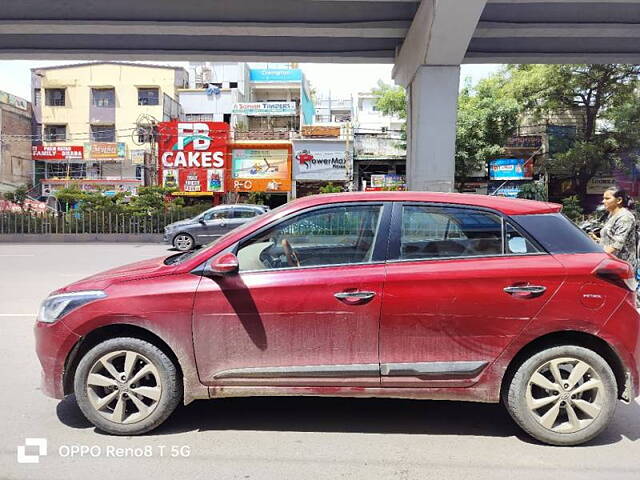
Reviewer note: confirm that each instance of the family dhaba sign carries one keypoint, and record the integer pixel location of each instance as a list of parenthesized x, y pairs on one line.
[(193, 156)]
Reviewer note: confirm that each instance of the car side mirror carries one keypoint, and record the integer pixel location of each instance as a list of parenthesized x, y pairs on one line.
[(201, 220), (221, 265)]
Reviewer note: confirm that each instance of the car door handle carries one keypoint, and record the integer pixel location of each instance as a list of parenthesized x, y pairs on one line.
[(354, 297), (525, 291)]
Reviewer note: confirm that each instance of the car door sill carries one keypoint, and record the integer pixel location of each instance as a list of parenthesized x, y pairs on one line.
[(466, 369)]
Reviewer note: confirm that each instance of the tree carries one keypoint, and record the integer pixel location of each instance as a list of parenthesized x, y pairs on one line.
[(392, 99), (590, 91), (18, 196), (486, 118)]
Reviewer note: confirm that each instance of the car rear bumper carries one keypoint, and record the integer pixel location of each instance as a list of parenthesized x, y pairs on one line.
[(54, 341), (622, 332)]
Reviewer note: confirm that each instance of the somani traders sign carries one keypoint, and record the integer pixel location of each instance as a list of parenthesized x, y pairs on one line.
[(193, 156)]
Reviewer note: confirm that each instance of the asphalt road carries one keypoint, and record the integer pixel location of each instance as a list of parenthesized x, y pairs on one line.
[(258, 438)]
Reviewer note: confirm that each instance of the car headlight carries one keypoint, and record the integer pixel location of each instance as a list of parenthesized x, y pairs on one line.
[(57, 306)]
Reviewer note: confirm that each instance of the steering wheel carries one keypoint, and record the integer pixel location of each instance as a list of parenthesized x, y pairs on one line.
[(290, 253)]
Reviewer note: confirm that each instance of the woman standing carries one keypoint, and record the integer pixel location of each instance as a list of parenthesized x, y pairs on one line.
[(618, 235)]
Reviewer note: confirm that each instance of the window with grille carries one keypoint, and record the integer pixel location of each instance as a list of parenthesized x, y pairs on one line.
[(55, 133), (104, 97), (103, 133), (148, 96), (55, 97)]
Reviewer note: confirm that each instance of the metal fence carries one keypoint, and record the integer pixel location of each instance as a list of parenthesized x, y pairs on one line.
[(86, 222)]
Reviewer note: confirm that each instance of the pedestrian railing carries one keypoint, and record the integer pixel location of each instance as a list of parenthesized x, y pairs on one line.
[(86, 222)]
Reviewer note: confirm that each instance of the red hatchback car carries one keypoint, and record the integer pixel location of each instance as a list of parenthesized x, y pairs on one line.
[(385, 294)]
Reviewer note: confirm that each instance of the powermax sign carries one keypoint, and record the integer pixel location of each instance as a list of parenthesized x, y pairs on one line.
[(193, 156)]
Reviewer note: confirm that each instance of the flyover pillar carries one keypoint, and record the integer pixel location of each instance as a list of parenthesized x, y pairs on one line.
[(432, 100)]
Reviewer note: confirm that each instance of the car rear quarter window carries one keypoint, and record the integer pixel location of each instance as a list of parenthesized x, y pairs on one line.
[(436, 232), (556, 233)]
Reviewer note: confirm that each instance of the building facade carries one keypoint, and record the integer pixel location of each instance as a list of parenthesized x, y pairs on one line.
[(88, 117), (213, 91), (16, 167), (379, 155), (330, 109)]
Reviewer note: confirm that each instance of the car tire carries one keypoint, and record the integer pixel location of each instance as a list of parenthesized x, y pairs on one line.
[(127, 406), (571, 411), (184, 242)]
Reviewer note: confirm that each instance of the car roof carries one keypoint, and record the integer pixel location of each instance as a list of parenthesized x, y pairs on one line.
[(508, 206)]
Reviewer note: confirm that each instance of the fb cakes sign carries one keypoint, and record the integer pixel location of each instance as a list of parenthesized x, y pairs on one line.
[(193, 157)]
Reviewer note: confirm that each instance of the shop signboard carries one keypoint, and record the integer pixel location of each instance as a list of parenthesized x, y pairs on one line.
[(105, 152), (598, 185), (265, 109), (261, 169), (524, 141), (137, 156), (17, 102), (478, 188), (275, 75), (511, 169), (57, 152), (320, 160), (106, 187), (388, 182), (505, 189), (193, 157)]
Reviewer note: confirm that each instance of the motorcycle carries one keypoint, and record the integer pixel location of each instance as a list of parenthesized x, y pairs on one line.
[(594, 224)]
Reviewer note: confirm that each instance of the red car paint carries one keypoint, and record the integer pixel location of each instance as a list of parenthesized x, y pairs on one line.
[(437, 311)]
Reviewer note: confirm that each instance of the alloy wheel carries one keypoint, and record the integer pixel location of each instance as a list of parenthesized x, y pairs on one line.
[(183, 242), (124, 386), (565, 395)]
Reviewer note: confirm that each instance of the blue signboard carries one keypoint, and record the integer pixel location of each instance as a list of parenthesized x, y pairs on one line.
[(510, 169), (505, 189), (275, 75)]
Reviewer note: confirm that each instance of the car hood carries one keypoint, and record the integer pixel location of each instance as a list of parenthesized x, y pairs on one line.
[(154, 267), (180, 223)]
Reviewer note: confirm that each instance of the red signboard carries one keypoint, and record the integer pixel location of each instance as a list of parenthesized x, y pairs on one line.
[(57, 152), (193, 157)]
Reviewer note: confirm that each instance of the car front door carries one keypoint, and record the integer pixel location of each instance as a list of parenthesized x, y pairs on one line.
[(457, 293), (304, 308), (217, 222)]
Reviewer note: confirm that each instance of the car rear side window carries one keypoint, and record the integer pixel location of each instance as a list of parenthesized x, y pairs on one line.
[(244, 213), (557, 234), (436, 232)]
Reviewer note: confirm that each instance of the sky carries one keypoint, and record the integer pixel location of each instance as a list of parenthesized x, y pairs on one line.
[(343, 80)]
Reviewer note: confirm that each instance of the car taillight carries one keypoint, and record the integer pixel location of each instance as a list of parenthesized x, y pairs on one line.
[(617, 272)]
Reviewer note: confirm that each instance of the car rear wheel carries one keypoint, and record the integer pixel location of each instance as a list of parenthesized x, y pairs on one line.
[(183, 242), (564, 395), (127, 386)]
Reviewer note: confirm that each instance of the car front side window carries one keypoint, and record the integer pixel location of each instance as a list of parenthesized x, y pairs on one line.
[(327, 236)]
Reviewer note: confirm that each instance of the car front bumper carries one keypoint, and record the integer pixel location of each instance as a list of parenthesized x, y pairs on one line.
[(54, 341)]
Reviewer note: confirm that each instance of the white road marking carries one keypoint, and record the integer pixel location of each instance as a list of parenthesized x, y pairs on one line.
[(12, 255), (17, 314)]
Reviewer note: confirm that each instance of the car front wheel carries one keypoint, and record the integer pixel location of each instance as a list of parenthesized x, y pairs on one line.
[(564, 395), (183, 242), (127, 386)]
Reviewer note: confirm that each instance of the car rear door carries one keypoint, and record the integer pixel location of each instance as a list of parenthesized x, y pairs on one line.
[(461, 283), (279, 323)]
